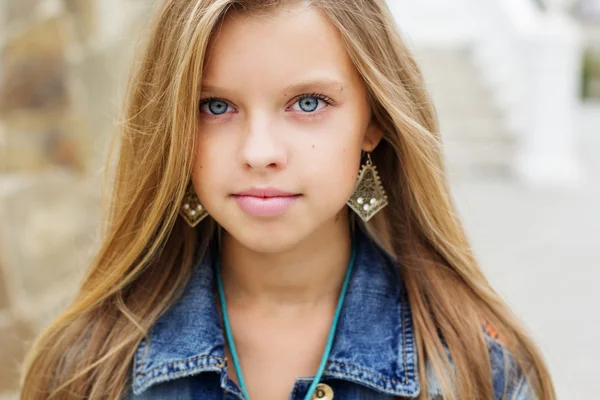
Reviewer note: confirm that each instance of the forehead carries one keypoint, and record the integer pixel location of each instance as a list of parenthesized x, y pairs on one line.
[(289, 43)]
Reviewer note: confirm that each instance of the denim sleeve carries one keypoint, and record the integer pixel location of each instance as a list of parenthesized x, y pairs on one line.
[(509, 381), (521, 391)]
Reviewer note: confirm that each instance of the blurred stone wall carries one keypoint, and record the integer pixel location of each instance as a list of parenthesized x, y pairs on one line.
[(63, 67)]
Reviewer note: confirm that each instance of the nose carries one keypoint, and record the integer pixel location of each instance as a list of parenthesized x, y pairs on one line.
[(262, 148)]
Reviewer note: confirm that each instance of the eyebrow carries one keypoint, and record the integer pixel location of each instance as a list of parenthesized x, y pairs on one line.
[(319, 84), (326, 83)]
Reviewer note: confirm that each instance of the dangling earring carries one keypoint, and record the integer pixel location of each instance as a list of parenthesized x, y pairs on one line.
[(369, 196), (191, 210)]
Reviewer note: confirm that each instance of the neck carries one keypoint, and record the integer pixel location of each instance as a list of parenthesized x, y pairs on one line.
[(310, 273)]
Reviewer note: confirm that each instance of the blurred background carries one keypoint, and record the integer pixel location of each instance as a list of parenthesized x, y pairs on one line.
[(517, 87)]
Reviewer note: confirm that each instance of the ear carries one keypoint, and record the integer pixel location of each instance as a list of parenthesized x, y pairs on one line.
[(373, 136)]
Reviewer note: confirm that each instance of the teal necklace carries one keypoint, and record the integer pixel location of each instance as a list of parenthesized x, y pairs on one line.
[(325, 356)]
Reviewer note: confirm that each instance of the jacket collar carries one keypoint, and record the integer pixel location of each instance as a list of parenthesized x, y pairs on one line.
[(374, 343)]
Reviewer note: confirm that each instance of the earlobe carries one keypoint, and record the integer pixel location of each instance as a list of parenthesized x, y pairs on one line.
[(372, 137)]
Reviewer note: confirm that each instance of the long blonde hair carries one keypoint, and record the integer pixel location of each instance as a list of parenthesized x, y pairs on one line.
[(146, 254)]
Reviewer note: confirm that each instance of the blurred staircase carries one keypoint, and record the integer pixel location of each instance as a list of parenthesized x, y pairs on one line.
[(477, 140)]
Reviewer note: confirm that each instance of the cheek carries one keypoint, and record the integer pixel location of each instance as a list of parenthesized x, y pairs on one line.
[(204, 171), (200, 161), (333, 172)]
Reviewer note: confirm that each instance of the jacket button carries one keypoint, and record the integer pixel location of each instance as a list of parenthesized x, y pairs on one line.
[(323, 392)]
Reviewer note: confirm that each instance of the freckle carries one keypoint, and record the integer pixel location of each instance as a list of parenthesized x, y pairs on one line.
[(313, 146)]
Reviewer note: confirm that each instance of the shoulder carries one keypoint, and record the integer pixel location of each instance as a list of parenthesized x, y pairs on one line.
[(508, 379)]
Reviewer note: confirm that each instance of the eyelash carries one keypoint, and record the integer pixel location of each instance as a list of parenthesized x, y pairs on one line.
[(319, 96)]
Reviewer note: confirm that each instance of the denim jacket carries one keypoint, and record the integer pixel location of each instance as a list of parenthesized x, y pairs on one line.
[(373, 355)]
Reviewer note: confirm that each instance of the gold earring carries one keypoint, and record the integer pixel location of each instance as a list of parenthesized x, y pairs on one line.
[(369, 196), (191, 210)]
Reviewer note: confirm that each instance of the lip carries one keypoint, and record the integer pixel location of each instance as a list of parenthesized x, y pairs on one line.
[(265, 202), (265, 192)]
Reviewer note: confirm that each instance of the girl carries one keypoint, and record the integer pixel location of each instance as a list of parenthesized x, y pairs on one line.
[(249, 255)]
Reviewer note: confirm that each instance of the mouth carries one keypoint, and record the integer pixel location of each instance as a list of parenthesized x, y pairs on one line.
[(265, 202)]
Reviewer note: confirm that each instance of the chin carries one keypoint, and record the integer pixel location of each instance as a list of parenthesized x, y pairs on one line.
[(267, 241), (279, 234)]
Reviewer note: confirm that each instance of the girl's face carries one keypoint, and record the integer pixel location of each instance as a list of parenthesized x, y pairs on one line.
[(282, 121)]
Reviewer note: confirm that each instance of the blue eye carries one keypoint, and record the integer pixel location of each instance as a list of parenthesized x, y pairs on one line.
[(215, 106), (310, 102)]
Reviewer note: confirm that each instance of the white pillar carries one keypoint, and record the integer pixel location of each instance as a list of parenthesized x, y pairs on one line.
[(548, 154)]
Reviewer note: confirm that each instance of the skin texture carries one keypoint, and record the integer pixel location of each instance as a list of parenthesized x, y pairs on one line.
[(282, 275)]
